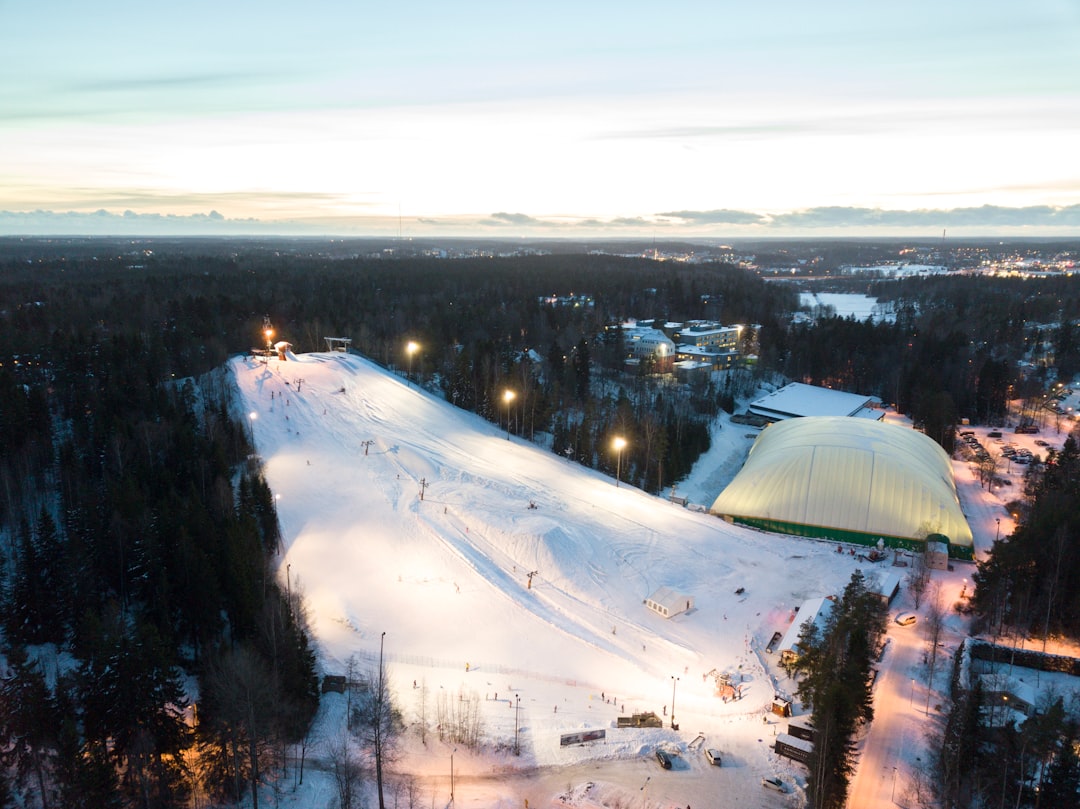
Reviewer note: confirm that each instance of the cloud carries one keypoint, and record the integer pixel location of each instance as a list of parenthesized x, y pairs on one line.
[(985, 216), (143, 199), (716, 217), (519, 219), (837, 220), (105, 223)]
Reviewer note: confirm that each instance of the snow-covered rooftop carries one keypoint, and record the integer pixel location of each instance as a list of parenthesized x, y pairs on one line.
[(797, 399)]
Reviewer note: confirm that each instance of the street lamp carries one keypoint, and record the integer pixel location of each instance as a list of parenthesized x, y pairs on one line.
[(379, 725), (452, 774), (508, 397), (251, 427), (674, 682), (411, 348), (618, 443), (517, 707), (997, 532)]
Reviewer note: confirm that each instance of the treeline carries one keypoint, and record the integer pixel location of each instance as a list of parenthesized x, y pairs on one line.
[(480, 326), (152, 654), (981, 757), (1030, 583), (141, 547), (950, 352)]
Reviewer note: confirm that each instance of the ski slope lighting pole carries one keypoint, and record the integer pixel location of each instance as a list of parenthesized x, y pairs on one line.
[(452, 774), (674, 682), (619, 443), (508, 397), (517, 707), (379, 725), (411, 348)]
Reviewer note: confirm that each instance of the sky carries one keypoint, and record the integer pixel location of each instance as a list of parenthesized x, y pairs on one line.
[(347, 447), (596, 118)]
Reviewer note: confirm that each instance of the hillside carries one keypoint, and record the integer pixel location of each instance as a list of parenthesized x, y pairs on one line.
[(350, 448)]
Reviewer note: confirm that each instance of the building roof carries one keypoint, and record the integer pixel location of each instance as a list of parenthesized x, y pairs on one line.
[(814, 610), (797, 400), (846, 478)]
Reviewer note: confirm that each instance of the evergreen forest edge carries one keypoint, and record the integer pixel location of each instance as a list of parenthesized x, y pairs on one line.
[(141, 536)]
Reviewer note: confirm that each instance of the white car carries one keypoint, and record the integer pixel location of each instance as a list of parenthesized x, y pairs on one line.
[(906, 618), (713, 756), (774, 784)]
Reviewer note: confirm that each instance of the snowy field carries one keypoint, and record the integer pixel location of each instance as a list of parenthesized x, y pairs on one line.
[(402, 515), (846, 304)]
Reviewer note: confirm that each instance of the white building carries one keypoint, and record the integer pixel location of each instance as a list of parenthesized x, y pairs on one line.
[(645, 343), (815, 611), (668, 602), (702, 334)]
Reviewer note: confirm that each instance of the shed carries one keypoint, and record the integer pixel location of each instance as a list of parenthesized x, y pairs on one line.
[(886, 585), (669, 603), (937, 552), (781, 706), (792, 747), (802, 727)]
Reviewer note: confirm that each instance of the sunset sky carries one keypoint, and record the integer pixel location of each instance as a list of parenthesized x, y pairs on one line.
[(557, 118)]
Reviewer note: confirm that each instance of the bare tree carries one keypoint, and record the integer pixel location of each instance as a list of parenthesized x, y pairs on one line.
[(919, 579), (422, 709), (243, 691), (933, 621), (919, 792), (347, 769), (459, 718)]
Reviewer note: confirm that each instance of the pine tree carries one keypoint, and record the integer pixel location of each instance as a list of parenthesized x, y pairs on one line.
[(28, 719)]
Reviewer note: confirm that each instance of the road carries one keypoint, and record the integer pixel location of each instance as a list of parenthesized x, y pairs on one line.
[(899, 719)]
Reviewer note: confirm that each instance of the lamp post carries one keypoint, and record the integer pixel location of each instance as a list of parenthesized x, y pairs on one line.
[(674, 682), (251, 427), (452, 774), (997, 532), (517, 707), (379, 726), (508, 397), (411, 348), (619, 443)]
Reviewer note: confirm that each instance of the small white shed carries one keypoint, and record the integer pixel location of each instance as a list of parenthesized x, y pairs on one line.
[(937, 554), (668, 602)]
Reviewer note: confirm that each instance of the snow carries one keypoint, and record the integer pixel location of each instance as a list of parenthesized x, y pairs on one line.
[(402, 515), (846, 304)]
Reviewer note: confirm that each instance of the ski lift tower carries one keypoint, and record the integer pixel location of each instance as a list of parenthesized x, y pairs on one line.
[(268, 333)]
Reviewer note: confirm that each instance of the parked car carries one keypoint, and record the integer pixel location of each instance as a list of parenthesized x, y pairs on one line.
[(774, 784), (906, 618), (713, 756), (664, 759)]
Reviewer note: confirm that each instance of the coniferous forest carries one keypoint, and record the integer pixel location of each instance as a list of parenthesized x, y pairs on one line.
[(138, 537)]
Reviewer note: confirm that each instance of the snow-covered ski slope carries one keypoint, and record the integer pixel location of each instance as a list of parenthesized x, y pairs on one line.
[(349, 447)]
